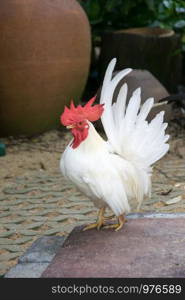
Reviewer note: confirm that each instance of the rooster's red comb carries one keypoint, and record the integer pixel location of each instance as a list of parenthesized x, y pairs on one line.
[(80, 113)]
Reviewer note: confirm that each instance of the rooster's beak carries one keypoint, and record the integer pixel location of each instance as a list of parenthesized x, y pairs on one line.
[(70, 126)]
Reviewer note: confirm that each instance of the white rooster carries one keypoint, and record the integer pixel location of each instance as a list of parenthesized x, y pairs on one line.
[(114, 172)]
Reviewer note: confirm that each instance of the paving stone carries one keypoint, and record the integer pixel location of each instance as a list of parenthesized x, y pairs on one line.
[(88, 203), (16, 191), (24, 180), (170, 207), (34, 201), (6, 234), (26, 270), (74, 211), (49, 206), (13, 220), (10, 203), (6, 214), (52, 231), (130, 252), (3, 198), (39, 218), (41, 205), (33, 225), (20, 226), (9, 256), (42, 212), (21, 240), (11, 248), (75, 199), (64, 228), (59, 218), (42, 195), (34, 184), (29, 232), (42, 250), (77, 193), (54, 200), (3, 268), (5, 241), (68, 205), (36, 196), (79, 223), (81, 217), (5, 208), (52, 223)]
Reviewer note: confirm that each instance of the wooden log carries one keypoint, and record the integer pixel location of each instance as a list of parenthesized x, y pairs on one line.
[(154, 49)]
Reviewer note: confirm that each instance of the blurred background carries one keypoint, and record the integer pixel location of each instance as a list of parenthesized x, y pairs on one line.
[(55, 51), (51, 53), (165, 57)]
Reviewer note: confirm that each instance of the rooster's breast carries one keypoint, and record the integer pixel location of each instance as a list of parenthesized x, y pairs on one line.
[(81, 169), (99, 175)]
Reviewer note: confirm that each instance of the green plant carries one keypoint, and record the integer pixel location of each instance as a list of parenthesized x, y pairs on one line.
[(105, 15), (118, 14)]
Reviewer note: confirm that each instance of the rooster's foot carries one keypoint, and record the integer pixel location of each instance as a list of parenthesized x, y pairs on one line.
[(119, 225), (100, 222), (94, 225)]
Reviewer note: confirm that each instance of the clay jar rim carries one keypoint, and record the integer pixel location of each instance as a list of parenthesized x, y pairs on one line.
[(148, 31)]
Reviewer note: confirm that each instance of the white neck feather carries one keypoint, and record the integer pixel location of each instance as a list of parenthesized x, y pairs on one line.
[(93, 142)]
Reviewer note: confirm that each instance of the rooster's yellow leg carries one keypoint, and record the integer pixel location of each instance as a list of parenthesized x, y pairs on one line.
[(100, 221), (119, 225)]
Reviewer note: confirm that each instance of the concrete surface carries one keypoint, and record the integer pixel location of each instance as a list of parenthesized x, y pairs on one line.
[(36, 258), (144, 247)]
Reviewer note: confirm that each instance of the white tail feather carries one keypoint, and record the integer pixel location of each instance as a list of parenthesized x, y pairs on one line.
[(127, 130)]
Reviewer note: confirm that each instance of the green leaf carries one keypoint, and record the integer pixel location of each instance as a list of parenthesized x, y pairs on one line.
[(183, 47), (93, 9), (127, 6), (110, 5), (150, 4), (97, 21), (180, 24), (176, 52), (168, 4), (161, 8)]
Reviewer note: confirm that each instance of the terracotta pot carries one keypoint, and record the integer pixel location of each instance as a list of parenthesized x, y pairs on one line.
[(44, 62)]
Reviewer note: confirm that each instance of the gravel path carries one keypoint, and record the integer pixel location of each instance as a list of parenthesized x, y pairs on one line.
[(35, 200)]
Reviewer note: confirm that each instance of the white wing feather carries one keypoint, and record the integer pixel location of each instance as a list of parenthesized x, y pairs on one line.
[(128, 132)]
